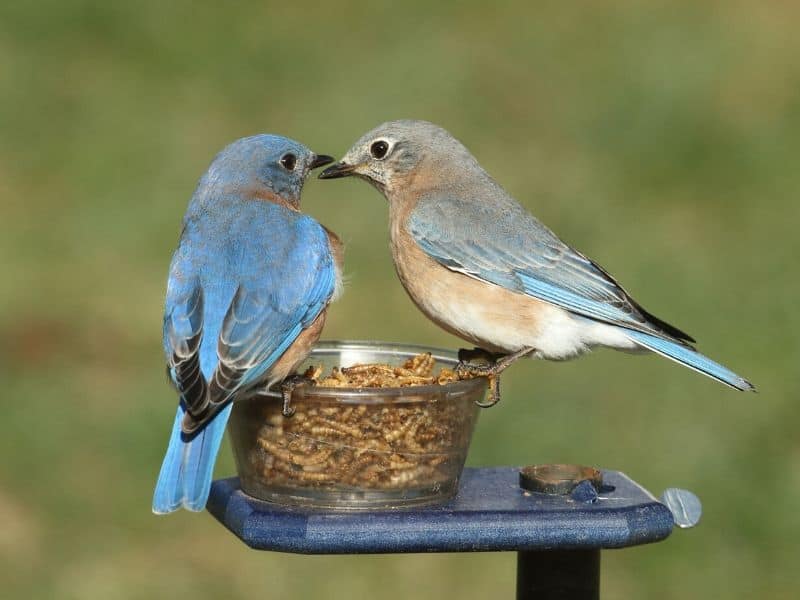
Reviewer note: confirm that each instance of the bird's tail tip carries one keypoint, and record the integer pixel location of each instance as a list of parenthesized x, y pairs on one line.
[(185, 477), (689, 357), (749, 386)]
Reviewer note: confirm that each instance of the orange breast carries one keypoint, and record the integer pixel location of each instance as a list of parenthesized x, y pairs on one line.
[(297, 352), (482, 313)]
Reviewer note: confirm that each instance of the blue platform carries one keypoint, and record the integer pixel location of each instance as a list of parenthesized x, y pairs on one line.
[(490, 513)]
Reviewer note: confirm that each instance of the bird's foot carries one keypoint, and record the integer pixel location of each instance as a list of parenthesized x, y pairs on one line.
[(491, 367), (287, 387)]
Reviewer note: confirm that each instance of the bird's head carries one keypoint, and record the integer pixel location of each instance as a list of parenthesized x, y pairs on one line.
[(399, 154), (263, 166)]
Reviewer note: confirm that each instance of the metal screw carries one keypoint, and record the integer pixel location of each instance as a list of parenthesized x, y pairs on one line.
[(684, 505)]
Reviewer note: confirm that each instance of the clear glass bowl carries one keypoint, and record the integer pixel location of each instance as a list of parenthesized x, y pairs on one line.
[(357, 448)]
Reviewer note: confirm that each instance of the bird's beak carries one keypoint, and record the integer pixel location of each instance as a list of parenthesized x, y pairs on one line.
[(320, 160), (340, 169)]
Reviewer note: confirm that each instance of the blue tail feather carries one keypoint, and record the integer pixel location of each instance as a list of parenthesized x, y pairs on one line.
[(689, 357), (185, 477)]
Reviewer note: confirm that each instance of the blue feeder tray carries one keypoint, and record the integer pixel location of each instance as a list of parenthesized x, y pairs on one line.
[(558, 539), (490, 513)]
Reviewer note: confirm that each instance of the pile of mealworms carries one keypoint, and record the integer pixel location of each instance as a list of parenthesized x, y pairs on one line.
[(417, 370), (378, 446)]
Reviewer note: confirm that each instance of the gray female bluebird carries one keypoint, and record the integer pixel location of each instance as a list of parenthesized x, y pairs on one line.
[(248, 289), (484, 269)]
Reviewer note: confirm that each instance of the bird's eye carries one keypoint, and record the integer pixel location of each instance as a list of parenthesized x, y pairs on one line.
[(379, 149), (288, 161)]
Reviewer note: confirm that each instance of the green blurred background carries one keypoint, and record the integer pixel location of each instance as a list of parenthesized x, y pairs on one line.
[(662, 139)]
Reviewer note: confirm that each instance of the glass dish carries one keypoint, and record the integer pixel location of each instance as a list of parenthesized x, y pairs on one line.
[(361, 448)]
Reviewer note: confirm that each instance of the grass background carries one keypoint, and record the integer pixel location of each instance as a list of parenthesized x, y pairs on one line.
[(661, 138)]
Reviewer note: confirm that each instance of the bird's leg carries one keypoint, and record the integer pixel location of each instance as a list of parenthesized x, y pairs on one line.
[(288, 386), (503, 363), (494, 365)]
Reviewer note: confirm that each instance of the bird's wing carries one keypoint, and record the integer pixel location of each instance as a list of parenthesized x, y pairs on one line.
[(265, 316), (183, 333), (499, 242)]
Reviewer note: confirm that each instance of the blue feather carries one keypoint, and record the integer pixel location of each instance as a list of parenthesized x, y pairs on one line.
[(571, 300), (689, 357), (185, 477)]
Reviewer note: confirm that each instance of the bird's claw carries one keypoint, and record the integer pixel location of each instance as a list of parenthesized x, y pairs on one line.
[(466, 370), (493, 365), (287, 387), (494, 393)]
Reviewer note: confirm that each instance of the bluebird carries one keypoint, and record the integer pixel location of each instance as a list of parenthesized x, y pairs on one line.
[(248, 290), (484, 269)]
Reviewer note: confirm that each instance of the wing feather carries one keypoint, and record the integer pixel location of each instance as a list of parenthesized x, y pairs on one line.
[(501, 243)]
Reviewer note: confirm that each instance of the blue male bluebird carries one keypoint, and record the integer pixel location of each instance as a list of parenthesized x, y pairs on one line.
[(248, 289), (483, 268)]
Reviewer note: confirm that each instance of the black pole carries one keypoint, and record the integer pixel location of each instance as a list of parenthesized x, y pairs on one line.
[(558, 575)]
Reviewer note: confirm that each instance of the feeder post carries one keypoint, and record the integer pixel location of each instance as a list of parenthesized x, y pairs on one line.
[(558, 575)]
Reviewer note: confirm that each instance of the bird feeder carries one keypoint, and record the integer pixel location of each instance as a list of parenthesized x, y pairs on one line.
[(557, 518)]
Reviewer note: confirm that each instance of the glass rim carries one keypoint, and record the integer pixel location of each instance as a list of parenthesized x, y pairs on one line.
[(328, 347)]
